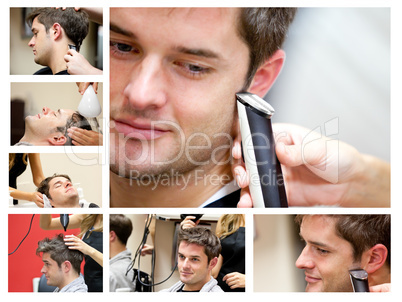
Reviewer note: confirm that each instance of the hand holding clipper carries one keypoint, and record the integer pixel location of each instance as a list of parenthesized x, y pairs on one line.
[(359, 278), (267, 187)]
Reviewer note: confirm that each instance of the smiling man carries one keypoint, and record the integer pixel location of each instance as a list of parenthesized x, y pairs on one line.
[(198, 251), (49, 128), (61, 192), (336, 244), (172, 106), (53, 31), (61, 265)]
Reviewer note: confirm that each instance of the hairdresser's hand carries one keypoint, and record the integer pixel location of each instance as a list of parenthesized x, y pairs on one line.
[(188, 223), (321, 171), (37, 198), (381, 288), (147, 250), (82, 137), (75, 243), (235, 280), (78, 65), (82, 86)]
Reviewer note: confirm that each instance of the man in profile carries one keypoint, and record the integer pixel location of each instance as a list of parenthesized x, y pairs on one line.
[(61, 265), (60, 193), (49, 128), (55, 31), (336, 244), (198, 252)]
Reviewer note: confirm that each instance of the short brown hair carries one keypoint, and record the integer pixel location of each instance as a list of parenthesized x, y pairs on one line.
[(60, 252), (203, 237), (122, 226), (362, 231), (263, 29), (75, 23), (44, 185)]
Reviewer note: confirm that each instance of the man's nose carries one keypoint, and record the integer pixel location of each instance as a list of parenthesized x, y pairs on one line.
[(147, 86), (43, 270), (304, 261), (46, 110), (31, 42)]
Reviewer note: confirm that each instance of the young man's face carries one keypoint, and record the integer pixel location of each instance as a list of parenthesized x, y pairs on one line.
[(53, 273), (326, 258), (40, 43), (193, 265), (62, 193), (43, 125), (174, 75)]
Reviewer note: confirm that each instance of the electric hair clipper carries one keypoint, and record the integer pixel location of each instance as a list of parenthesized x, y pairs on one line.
[(64, 220), (267, 186), (359, 278)]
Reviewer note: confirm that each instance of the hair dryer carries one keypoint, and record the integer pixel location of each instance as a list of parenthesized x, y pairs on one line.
[(267, 186), (359, 279), (64, 220)]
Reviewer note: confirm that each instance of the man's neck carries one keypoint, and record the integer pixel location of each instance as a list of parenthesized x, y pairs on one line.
[(177, 190), (27, 139), (68, 279), (381, 276), (115, 249), (57, 62)]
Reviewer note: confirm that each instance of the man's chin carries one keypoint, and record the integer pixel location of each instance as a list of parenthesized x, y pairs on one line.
[(314, 287)]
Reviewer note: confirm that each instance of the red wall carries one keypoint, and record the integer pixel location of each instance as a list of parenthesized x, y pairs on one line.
[(24, 265)]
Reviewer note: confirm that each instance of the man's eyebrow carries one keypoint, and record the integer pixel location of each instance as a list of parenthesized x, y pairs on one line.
[(317, 243), (199, 52), (122, 31)]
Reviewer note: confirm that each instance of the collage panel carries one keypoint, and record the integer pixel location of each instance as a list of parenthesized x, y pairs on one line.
[(50, 41), (56, 114), (177, 253), (55, 180), (59, 253), (189, 128), (322, 253)]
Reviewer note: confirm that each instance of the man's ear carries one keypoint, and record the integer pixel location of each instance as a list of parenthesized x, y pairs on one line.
[(57, 139), (213, 262), (267, 73), (66, 266), (375, 258), (57, 31), (112, 236)]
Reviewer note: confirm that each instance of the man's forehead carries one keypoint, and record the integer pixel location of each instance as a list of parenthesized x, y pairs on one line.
[(57, 180)]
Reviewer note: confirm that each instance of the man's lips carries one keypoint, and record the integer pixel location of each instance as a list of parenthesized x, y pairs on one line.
[(311, 279), (142, 131)]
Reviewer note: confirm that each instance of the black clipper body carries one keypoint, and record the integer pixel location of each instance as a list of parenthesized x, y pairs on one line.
[(267, 186), (359, 279)]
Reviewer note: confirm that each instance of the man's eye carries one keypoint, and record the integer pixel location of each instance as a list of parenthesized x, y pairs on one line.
[(123, 49), (321, 251), (191, 69)]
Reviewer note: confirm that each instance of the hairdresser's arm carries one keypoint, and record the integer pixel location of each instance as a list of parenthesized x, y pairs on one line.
[(78, 65), (36, 168), (36, 197), (76, 243), (321, 171), (46, 222), (82, 137)]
